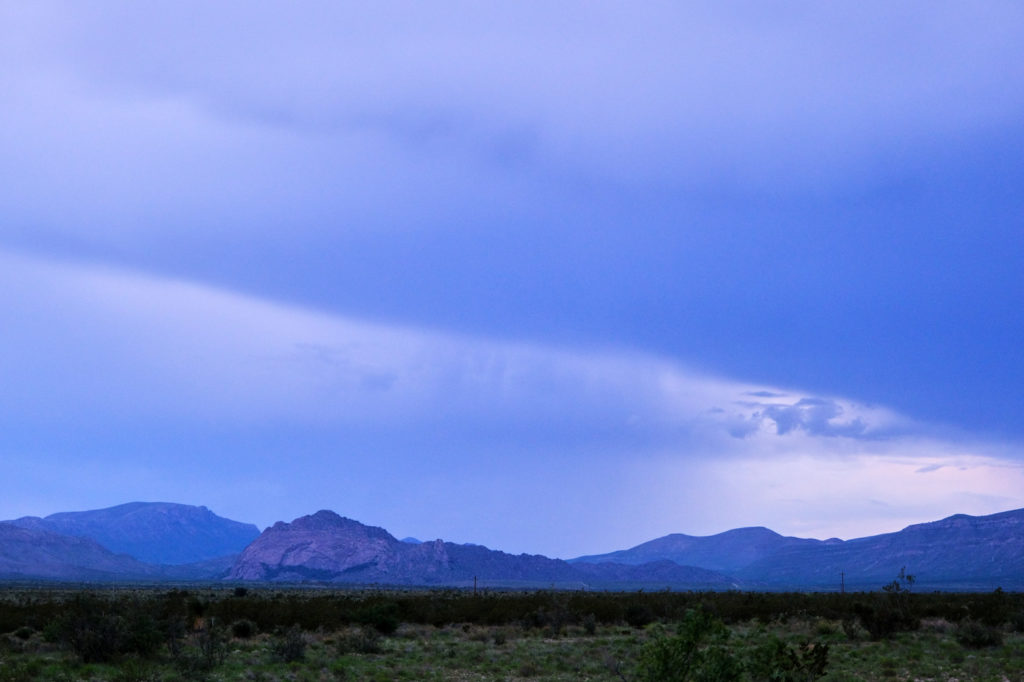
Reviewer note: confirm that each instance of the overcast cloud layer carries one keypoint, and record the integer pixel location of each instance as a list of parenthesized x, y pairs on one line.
[(552, 278)]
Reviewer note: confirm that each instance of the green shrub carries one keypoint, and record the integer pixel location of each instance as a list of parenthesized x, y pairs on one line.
[(196, 608), (383, 617), (890, 612), (289, 646), (638, 615), (243, 629), (143, 633), (824, 627), (697, 652), (365, 640), (992, 608), (207, 650), (24, 632), (92, 630), (135, 671), (852, 629), (20, 671), (776, 661), (974, 634), (528, 670)]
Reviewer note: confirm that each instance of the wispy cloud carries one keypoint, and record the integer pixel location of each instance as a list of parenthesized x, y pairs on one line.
[(118, 350), (152, 346)]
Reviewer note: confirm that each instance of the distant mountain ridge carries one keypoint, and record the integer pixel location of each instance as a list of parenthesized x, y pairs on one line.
[(33, 553), (152, 532), (728, 552), (958, 552), (36, 554)]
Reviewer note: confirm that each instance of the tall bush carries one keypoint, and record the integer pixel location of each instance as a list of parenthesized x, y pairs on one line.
[(697, 653)]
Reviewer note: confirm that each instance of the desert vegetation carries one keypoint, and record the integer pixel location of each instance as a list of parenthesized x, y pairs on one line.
[(243, 633)]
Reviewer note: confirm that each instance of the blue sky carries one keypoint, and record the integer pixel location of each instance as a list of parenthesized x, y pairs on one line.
[(553, 278)]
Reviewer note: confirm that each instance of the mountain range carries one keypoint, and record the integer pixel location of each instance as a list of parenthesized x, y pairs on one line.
[(33, 553), (329, 548), (150, 541), (153, 532), (155, 542), (960, 552), (729, 552)]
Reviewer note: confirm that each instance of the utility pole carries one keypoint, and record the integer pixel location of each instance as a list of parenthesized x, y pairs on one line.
[(474, 585)]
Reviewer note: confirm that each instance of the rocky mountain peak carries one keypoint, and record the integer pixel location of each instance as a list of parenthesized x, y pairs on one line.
[(339, 526)]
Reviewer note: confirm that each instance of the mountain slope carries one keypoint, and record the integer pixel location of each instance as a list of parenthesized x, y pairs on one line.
[(37, 554), (32, 553), (727, 552), (153, 532), (327, 547), (959, 552)]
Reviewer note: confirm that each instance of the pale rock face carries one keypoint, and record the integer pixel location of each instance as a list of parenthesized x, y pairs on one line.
[(321, 543)]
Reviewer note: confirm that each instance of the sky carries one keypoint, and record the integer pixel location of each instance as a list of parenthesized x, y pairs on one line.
[(554, 278)]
